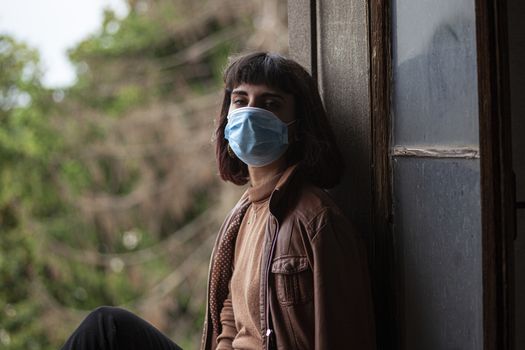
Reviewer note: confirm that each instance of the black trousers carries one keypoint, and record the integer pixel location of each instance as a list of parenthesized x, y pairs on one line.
[(112, 328)]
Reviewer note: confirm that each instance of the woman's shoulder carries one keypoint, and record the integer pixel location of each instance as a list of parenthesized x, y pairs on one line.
[(312, 203), (315, 215)]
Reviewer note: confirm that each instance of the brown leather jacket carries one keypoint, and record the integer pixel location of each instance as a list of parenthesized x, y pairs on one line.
[(314, 289)]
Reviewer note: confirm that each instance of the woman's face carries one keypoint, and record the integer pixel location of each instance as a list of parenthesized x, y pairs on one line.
[(276, 101)]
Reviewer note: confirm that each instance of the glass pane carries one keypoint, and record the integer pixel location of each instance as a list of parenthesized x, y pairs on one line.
[(434, 72), (438, 242)]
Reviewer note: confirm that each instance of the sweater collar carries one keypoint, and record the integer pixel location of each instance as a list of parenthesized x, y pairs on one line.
[(281, 189), (277, 191), (262, 192)]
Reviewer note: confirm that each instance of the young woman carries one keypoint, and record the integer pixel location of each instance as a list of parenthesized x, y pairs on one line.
[(288, 271)]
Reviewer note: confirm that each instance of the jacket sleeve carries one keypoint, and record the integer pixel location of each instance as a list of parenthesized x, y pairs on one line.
[(344, 316), (225, 339)]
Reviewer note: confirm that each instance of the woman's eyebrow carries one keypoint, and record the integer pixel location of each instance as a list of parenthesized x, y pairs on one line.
[(239, 92), (264, 94), (272, 94)]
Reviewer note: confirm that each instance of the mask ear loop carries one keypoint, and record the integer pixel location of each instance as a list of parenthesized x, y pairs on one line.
[(295, 121), (228, 148)]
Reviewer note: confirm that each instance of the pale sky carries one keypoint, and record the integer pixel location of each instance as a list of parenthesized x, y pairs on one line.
[(52, 27)]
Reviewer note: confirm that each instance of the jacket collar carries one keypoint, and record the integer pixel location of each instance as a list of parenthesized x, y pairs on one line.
[(282, 188), (278, 193)]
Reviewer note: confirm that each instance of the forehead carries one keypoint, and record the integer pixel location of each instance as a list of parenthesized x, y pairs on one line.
[(259, 89)]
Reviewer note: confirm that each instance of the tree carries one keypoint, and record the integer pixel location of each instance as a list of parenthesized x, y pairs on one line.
[(26, 144), (109, 192)]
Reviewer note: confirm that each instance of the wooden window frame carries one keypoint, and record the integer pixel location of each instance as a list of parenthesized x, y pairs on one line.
[(497, 196), (495, 153), (385, 277)]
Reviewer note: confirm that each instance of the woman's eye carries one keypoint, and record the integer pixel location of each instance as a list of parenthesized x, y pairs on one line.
[(271, 104), (238, 102)]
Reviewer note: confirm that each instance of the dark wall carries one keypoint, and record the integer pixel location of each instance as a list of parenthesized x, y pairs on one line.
[(342, 69)]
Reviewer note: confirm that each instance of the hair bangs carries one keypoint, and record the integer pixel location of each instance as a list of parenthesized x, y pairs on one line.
[(260, 69)]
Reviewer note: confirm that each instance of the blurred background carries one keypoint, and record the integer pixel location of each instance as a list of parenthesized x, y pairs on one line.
[(109, 194)]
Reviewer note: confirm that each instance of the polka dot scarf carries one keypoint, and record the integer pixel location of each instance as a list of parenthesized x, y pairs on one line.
[(222, 268)]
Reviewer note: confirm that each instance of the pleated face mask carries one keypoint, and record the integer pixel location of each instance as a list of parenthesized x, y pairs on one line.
[(256, 136)]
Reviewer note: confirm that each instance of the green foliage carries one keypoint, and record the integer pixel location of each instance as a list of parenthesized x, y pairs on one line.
[(26, 145), (95, 179), (132, 35), (42, 179)]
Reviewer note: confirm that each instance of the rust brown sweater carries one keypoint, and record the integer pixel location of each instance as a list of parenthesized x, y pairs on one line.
[(240, 316)]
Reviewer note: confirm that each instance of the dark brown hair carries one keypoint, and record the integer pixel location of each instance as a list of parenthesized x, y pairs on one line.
[(315, 149)]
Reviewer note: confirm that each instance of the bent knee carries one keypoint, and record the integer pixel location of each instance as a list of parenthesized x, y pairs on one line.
[(106, 312)]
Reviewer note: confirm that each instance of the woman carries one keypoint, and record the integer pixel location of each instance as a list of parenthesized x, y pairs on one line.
[(287, 270)]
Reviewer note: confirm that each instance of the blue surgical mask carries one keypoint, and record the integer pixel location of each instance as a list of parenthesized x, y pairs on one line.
[(256, 136)]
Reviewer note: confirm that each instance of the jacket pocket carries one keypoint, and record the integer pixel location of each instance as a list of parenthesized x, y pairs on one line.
[(293, 280)]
